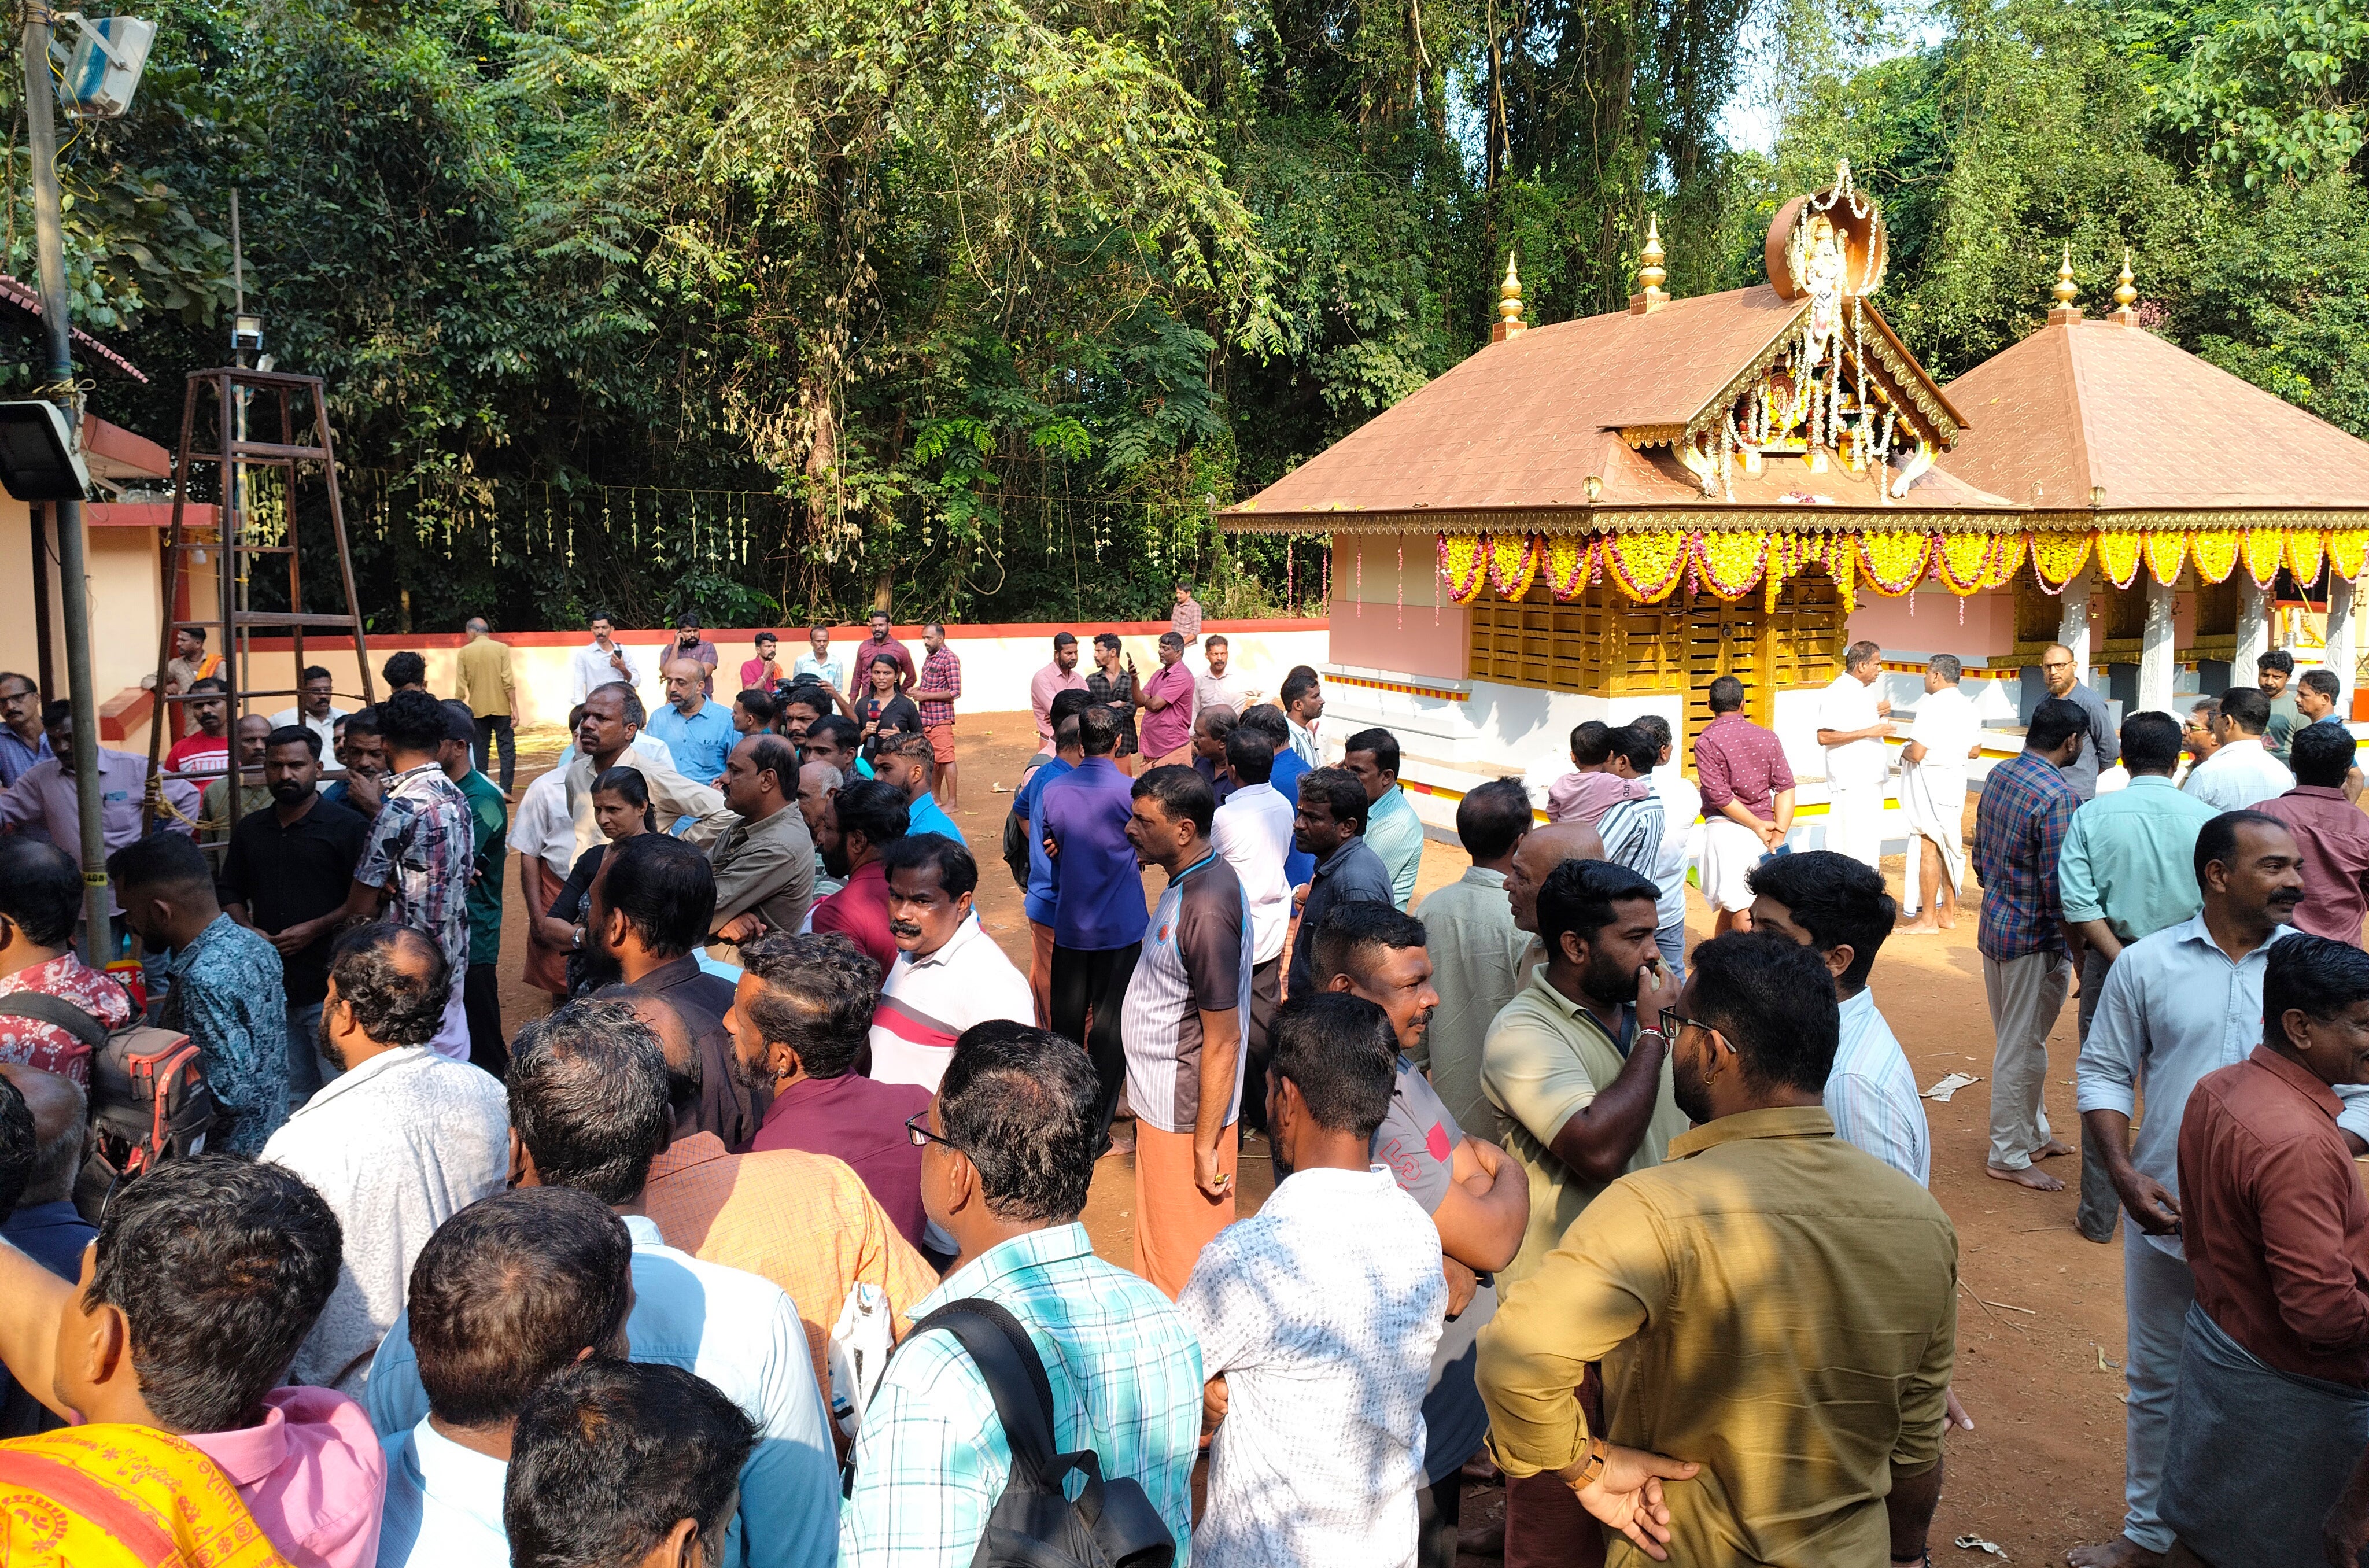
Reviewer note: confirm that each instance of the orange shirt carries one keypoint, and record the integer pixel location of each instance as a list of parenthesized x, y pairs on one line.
[(805, 1221)]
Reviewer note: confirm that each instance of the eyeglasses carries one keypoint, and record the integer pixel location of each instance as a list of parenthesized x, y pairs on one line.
[(1672, 1021), (922, 1136)]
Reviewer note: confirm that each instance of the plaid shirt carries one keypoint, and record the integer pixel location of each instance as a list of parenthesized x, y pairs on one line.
[(931, 1458), (2019, 828), (421, 848), (942, 673)]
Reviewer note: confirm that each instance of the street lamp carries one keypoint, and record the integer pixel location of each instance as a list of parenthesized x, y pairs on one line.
[(38, 460)]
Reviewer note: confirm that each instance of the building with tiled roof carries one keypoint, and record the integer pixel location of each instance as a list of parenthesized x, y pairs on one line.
[(1596, 519)]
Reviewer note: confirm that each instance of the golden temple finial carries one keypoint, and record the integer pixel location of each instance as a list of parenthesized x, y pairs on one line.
[(1510, 305), (1650, 273), (2066, 291), (2126, 294)]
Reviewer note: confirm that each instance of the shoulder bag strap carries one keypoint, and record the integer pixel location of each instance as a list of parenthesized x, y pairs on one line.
[(43, 1008), (1015, 1376)]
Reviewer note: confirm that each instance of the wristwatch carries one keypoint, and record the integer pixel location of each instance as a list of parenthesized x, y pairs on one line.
[(1598, 1452)]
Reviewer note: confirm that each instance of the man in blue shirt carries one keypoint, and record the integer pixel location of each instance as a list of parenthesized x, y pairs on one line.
[(483, 1346), (1027, 804), (908, 765), (698, 734), (1392, 830), (589, 1109), (1331, 826), (1098, 911)]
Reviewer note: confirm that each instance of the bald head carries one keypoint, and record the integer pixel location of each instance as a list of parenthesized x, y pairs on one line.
[(681, 1048), (817, 782), (686, 684), (1541, 850), (388, 985), (59, 1110)]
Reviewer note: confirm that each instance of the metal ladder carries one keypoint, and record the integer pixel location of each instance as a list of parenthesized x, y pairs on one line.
[(234, 455)]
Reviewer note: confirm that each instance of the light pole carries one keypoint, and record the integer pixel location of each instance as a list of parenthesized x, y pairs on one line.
[(49, 240)]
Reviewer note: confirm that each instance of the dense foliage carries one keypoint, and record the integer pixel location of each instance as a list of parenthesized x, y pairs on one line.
[(774, 308)]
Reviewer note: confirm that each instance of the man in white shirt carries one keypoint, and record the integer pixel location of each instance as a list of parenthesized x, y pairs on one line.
[(1222, 686), (400, 1141), (1943, 738), (483, 1346), (315, 708), (1318, 1315), (1681, 804), (949, 973), (601, 660), (1852, 723), (1303, 704), (2242, 772), (608, 738), (1251, 832)]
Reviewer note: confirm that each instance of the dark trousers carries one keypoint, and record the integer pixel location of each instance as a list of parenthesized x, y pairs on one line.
[(481, 1002), (493, 732), (1088, 990), (2101, 1204), (1438, 1513), (1546, 1527), (1266, 989)]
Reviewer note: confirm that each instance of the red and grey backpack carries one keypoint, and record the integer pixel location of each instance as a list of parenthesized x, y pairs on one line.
[(149, 1101)]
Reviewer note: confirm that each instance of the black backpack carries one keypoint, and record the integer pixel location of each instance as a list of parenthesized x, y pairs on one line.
[(1035, 1525), (149, 1101)]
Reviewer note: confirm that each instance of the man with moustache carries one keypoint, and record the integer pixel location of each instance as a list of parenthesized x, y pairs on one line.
[(2177, 1005), (288, 867), (1810, 1434), (949, 974), (213, 802), (858, 823)]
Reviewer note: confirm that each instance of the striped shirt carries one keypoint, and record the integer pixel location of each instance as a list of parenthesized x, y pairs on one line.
[(1124, 1370), (1871, 1092), (1632, 832), (1197, 958), (927, 1003)]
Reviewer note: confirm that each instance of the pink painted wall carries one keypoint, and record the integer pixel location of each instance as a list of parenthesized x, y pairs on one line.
[(1374, 628), (1988, 632)]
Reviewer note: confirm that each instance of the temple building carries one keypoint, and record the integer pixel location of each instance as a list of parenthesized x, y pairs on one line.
[(1598, 518)]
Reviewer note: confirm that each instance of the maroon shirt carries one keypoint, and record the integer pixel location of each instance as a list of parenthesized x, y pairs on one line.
[(1736, 760), (860, 912), (2334, 838), (2273, 1220), (855, 1119), (867, 650)]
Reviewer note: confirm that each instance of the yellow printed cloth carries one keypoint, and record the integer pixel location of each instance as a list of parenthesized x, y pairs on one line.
[(119, 1496)]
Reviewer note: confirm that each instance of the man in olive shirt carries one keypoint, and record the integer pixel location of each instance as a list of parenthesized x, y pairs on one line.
[(1804, 1436), (765, 863), (485, 683)]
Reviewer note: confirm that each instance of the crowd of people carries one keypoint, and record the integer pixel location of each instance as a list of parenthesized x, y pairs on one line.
[(764, 1244)]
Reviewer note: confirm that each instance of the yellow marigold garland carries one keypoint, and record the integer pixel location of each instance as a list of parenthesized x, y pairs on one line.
[(1570, 563), (2167, 553), (1647, 564), (1841, 566), (1961, 561), (2348, 551), (1513, 562), (1731, 563), (2305, 555), (1774, 571), (1462, 563), (1894, 562), (2058, 558), (2265, 551), (2215, 551), (2118, 555), (2006, 558)]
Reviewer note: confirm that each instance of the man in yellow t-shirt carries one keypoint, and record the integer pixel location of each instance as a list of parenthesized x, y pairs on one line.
[(485, 684)]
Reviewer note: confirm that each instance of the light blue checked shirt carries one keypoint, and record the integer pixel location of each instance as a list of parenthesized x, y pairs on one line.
[(739, 1333), (1871, 1092), (932, 1458)]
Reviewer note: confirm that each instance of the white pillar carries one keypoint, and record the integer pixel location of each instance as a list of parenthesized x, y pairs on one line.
[(2154, 647), (2073, 621), (2343, 640), (2253, 629)]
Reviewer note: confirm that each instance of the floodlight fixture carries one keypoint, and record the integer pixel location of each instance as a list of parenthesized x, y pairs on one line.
[(247, 333), (103, 71), (39, 461)]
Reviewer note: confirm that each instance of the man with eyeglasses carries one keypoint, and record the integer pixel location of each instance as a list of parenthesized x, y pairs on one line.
[(2102, 747), (2198, 738), (23, 742)]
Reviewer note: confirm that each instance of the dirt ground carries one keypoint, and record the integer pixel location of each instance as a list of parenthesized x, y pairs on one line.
[(2040, 1310)]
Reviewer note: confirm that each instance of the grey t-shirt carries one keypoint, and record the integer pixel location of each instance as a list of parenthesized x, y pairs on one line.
[(1417, 1142), (2100, 747)]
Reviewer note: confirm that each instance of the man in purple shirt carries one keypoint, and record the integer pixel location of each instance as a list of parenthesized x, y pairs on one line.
[(1167, 700), (1098, 909), (1747, 803), (2330, 830), (214, 1268), (800, 1013)]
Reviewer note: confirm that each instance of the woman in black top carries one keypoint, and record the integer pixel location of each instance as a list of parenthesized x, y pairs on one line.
[(621, 805), (884, 712)]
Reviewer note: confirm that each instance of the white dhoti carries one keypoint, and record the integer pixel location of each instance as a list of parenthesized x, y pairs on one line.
[(1855, 821), (1934, 801), (1730, 851)]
